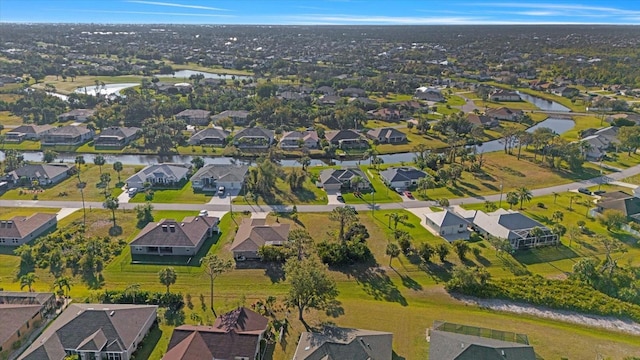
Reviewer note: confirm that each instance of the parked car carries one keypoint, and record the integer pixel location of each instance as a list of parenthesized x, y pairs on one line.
[(339, 196), (599, 192), (203, 213), (221, 190), (584, 191), (132, 191), (408, 194)]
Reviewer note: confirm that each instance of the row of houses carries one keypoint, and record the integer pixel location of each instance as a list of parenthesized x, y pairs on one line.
[(112, 137), (116, 331)]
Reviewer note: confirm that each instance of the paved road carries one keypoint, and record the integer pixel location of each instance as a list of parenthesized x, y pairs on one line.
[(326, 208)]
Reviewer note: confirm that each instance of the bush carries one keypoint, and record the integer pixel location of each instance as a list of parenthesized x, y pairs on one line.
[(335, 254), (541, 205)]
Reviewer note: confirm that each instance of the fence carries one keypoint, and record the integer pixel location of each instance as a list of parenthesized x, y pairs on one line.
[(481, 332)]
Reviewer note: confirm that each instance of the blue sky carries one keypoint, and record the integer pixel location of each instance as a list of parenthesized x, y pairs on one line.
[(289, 12)]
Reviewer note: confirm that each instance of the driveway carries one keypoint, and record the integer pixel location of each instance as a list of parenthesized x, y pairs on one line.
[(64, 212), (124, 197), (421, 214), (332, 197), (226, 199)]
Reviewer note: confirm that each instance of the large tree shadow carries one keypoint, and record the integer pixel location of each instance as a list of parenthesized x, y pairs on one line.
[(376, 283)]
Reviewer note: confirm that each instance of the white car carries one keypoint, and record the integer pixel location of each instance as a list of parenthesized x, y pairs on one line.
[(132, 191), (203, 213), (221, 190)]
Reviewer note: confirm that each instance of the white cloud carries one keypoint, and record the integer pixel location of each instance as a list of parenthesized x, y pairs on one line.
[(563, 9), (148, 13), (176, 5)]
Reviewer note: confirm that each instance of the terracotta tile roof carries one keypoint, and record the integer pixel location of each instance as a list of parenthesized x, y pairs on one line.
[(21, 226), (169, 232)]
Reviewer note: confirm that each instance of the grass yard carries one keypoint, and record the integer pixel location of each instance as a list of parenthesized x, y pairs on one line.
[(26, 145), (512, 173), (67, 190), (67, 87), (390, 97), (309, 194), (213, 70), (622, 160), (184, 195), (7, 213), (582, 123), (430, 139), (520, 105), (381, 194), (632, 180), (6, 117)]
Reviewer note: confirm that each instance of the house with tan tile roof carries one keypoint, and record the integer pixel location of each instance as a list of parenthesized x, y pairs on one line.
[(169, 237), (22, 229), (255, 233)]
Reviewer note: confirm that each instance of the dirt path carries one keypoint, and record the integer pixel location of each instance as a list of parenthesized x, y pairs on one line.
[(604, 322)]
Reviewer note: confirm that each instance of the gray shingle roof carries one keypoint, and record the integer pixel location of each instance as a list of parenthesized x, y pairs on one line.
[(225, 173), (394, 174), (446, 218), (21, 226), (40, 171), (209, 133), (177, 171), (343, 176), (453, 346), (168, 232), (336, 343)]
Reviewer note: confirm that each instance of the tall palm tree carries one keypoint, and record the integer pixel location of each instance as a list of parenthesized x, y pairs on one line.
[(524, 194), (27, 280), (168, 277), (536, 233), (81, 185), (214, 266), (117, 166), (112, 204), (63, 284), (557, 216), (393, 250), (100, 161)]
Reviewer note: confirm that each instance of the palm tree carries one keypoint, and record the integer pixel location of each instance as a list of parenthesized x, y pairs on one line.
[(168, 277), (512, 198), (425, 183), (557, 216), (343, 215), (112, 204), (396, 218), (461, 248), (105, 179), (393, 250), (214, 266), (117, 167), (536, 233), (63, 283), (524, 194), (100, 161), (27, 280)]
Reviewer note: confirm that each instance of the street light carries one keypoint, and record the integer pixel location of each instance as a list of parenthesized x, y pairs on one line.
[(500, 205)]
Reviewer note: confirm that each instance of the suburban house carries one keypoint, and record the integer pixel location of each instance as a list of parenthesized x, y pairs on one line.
[(159, 175), (68, 135), (627, 204), (401, 177), (194, 116), (116, 137), (386, 114), (599, 141), (483, 120), (565, 91), (428, 94), (338, 179), (239, 117), (21, 313), (234, 335), (328, 100), (513, 226), (504, 95), (504, 113), (94, 331), (325, 90), (387, 135), (450, 341), (353, 92), (22, 229), (448, 224), (253, 138), (255, 233), (27, 132), (299, 139), (212, 176), (346, 139), (343, 343), (209, 136), (77, 115), (43, 174), (171, 237)]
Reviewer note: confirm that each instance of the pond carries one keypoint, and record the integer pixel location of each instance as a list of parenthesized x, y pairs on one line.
[(107, 89), (187, 73), (544, 104)]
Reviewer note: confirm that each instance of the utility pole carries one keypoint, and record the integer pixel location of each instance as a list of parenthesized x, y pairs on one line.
[(500, 205)]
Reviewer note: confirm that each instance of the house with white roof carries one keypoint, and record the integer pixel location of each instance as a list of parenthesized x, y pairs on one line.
[(449, 225)]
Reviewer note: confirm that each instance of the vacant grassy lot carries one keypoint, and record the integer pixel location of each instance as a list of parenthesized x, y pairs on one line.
[(582, 123), (6, 117), (26, 145), (184, 195), (512, 173), (622, 160), (68, 190), (282, 194)]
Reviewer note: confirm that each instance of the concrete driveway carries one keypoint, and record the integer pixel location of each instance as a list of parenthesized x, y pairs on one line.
[(421, 214), (226, 199), (64, 212), (332, 197)]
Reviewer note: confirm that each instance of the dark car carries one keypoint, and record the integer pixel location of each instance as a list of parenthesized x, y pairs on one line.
[(599, 192), (584, 191)]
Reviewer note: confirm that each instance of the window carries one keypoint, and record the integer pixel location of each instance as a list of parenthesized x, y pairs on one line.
[(114, 356)]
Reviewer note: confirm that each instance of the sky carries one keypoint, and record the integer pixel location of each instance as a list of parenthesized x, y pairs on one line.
[(322, 12)]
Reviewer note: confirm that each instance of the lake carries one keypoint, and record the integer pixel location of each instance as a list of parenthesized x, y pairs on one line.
[(544, 104), (188, 73)]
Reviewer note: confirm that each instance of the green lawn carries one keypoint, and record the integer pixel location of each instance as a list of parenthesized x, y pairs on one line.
[(391, 97), (309, 194), (6, 117), (26, 145), (622, 160), (381, 193), (67, 190), (520, 105), (582, 123), (184, 195)]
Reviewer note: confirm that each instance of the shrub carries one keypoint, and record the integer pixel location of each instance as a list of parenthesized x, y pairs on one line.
[(335, 254), (541, 205)]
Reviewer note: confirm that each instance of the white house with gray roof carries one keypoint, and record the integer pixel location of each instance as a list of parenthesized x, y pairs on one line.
[(68, 135), (336, 179), (27, 132), (513, 226), (253, 138), (402, 177), (212, 176), (44, 174), (448, 225), (209, 136), (159, 175)]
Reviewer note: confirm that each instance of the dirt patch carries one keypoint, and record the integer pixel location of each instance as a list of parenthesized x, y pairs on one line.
[(604, 322)]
